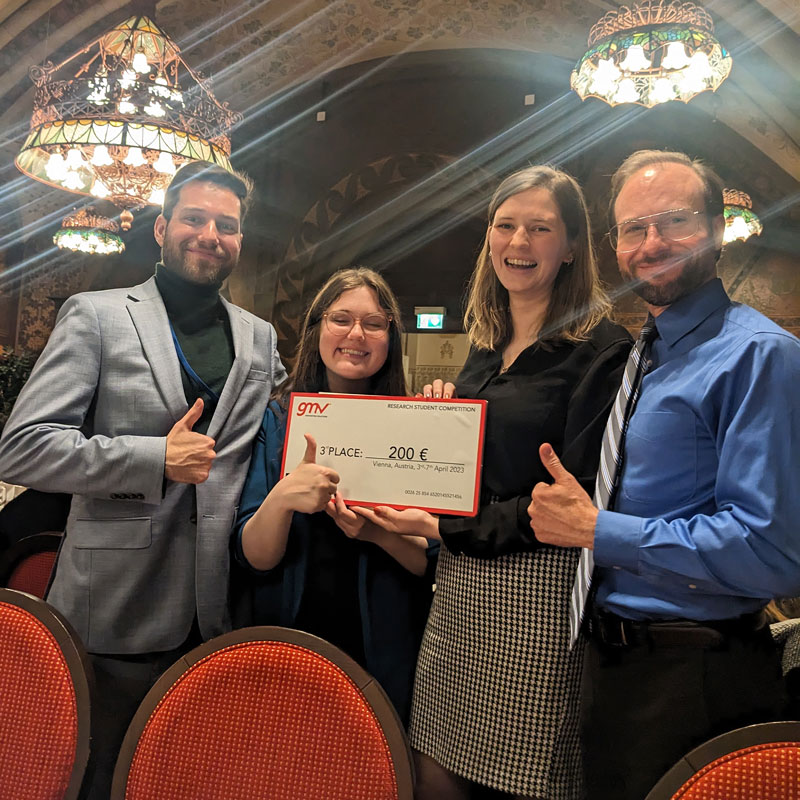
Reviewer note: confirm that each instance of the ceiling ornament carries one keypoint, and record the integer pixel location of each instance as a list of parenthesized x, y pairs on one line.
[(741, 222), (116, 119), (89, 232), (651, 53)]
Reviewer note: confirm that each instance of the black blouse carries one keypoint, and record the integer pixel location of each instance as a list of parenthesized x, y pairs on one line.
[(562, 396)]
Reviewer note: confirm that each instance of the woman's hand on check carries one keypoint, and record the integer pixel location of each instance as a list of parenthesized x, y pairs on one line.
[(353, 525), (439, 390), (408, 522), (309, 486)]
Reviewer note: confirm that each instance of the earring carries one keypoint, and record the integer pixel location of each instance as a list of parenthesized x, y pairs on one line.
[(568, 263)]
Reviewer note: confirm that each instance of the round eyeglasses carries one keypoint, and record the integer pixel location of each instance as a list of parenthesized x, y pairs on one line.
[(677, 224), (342, 322)]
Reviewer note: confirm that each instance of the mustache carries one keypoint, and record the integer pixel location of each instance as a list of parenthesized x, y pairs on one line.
[(709, 246), (216, 250)]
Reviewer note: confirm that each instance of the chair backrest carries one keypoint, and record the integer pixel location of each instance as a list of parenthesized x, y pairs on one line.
[(45, 708), (758, 762), (265, 712), (28, 564)]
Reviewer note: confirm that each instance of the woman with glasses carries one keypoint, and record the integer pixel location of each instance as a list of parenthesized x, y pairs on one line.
[(324, 569), (497, 685)]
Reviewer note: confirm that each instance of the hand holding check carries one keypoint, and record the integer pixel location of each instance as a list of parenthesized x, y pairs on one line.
[(409, 550), (439, 389), (408, 522), (309, 486), (353, 525), (561, 513)]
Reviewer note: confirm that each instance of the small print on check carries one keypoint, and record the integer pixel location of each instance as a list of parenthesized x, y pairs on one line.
[(403, 452)]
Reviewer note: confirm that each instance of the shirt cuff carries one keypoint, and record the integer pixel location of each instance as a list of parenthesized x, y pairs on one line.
[(616, 540), (146, 470)]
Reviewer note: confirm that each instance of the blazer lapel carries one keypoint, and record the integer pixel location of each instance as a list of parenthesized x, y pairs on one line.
[(150, 320), (242, 332)]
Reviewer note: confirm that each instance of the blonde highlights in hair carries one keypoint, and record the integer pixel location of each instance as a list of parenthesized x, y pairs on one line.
[(578, 301)]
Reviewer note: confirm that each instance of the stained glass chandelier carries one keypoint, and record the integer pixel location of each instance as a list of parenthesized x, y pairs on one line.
[(741, 222), (116, 119), (650, 53), (88, 232)]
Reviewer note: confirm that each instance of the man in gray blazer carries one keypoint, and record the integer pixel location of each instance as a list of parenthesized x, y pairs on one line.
[(144, 405)]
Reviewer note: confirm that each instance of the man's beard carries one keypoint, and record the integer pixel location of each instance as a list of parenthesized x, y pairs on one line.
[(211, 272), (694, 272)]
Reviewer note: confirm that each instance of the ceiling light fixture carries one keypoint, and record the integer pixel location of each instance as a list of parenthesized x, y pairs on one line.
[(88, 232), (112, 120), (741, 222), (651, 53)]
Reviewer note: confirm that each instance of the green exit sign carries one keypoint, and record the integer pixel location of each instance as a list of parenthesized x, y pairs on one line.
[(430, 321)]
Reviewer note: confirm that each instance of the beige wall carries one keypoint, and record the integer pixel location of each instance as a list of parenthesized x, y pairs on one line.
[(434, 355)]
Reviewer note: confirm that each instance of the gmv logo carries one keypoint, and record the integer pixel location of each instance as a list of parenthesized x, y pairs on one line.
[(311, 409)]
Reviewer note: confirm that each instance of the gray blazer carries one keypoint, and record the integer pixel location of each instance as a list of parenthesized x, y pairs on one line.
[(92, 420)]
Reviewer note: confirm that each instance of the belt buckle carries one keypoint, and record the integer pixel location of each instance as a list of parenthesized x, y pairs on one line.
[(610, 629), (622, 634), (620, 637)]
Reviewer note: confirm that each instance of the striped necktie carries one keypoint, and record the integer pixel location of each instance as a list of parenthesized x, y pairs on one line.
[(611, 461)]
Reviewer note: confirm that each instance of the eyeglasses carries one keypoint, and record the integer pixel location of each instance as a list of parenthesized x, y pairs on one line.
[(677, 224), (342, 322)]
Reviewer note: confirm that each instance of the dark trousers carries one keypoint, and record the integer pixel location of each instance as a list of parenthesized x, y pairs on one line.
[(121, 683), (647, 705)]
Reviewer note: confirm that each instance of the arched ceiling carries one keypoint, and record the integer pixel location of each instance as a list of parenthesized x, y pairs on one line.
[(438, 77), (255, 50)]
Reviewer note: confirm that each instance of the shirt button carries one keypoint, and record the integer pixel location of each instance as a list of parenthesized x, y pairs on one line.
[(617, 567), (692, 586)]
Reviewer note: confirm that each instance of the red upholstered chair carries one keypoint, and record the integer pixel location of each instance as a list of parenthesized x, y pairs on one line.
[(28, 564), (265, 712), (45, 682), (759, 762)]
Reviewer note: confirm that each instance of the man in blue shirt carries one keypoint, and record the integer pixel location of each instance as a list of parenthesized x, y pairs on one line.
[(704, 527)]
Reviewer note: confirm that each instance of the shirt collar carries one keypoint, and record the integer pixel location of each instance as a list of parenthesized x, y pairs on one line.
[(684, 315), (185, 300)]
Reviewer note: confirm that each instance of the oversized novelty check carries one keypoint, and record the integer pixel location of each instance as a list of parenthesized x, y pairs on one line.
[(393, 451)]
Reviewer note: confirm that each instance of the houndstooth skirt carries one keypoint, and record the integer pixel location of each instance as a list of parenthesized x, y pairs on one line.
[(497, 685)]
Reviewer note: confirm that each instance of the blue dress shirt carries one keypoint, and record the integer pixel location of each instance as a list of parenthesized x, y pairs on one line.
[(707, 515)]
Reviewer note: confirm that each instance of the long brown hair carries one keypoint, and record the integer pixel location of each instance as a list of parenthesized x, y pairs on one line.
[(309, 373), (578, 301)]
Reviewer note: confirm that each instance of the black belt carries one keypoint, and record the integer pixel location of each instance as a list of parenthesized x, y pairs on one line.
[(614, 631)]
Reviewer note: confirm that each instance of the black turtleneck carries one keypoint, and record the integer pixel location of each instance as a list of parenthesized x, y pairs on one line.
[(201, 324)]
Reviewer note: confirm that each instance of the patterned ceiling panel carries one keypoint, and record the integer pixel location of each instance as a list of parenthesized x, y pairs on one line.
[(255, 49)]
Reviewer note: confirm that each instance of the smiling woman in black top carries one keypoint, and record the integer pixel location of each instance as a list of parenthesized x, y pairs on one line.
[(496, 692)]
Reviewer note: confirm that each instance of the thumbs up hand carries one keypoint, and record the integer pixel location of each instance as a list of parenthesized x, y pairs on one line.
[(310, 455), (561, 512), (309, 486), (189, 454)]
